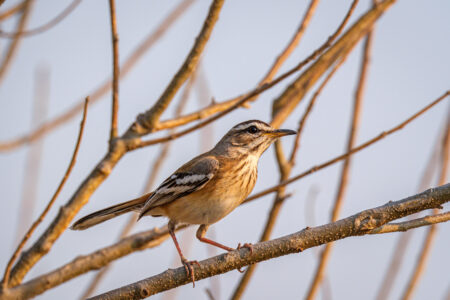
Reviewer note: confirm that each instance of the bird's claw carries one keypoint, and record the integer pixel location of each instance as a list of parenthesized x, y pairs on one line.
[(249, 246), (189, 269)]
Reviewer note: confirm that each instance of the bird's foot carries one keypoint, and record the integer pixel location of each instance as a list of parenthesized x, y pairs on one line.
[(249, 246), (188, 266)]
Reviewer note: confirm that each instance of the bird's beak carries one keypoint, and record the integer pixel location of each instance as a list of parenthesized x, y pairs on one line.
[(281, 132)]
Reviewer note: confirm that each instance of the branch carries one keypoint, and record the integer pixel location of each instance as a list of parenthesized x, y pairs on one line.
[(118, 148), (356, 225), (153, 173), (359, 224), (71, 270), (398, 254), (7, 59), (295, 92), (431, 234), (12, 11), (285, 168), (30, 231), (116, 71), (53, 22), (146, 122), (412, 224), (347, 154), (99, 92), (345, 172)]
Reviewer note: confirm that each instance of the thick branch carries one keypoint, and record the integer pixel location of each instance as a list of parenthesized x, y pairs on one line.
[(358, 224)]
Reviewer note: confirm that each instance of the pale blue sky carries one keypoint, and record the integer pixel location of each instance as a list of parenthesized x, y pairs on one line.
[(410, 68)]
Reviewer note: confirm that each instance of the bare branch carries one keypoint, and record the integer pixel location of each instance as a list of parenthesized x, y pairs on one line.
[(99, 92), (50, 24), (345, 172), (49, 205), (295, 92), (285, 168), (7, 59), (118, 148), (345, 155), (153, 173), (356, 225), (145, 122), (398, 254), (431, 233), (104, 259), (412, 224), (12, 11), (116, 71)]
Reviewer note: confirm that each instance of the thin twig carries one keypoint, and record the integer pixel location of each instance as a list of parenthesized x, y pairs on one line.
[(345, 172), (398, 254), (149, 183), (116, 71), (10, 53), (412, 224), (293, 43), (40, 29), (308, 111), (146, 121), (100, 91), (49, 205), (347, 154), (431, 233), (294, 93), (12, 11)]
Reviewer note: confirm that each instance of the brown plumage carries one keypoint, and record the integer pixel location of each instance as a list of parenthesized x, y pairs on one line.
[(205, 189)]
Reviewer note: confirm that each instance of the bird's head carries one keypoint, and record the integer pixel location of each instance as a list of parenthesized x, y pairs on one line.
[(251, 137)]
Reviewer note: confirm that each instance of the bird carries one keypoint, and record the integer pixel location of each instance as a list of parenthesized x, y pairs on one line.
[(205, 189)]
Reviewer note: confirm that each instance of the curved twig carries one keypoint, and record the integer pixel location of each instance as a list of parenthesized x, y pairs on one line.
[(49, 205), (40, 29)]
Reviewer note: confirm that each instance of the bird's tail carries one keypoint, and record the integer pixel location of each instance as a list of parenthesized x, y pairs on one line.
[(105, 214)]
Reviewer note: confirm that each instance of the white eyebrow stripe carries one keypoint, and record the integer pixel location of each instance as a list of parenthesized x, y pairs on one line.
[(257, 124)]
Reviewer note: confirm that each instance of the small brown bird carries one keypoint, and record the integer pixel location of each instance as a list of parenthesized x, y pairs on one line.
[(205, 189)]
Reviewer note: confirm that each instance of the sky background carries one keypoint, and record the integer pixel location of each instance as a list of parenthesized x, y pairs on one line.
[(410, 68)]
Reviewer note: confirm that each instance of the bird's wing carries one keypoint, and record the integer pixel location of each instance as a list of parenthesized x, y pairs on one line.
[(189, 178)]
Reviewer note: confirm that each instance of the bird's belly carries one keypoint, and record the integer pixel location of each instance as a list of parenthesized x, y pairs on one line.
[(201, 210)]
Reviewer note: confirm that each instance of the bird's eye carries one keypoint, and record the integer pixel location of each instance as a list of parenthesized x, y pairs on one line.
[(252, 129)]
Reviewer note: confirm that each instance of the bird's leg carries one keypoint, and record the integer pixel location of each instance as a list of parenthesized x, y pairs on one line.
[(201, 237), (186, 263)]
